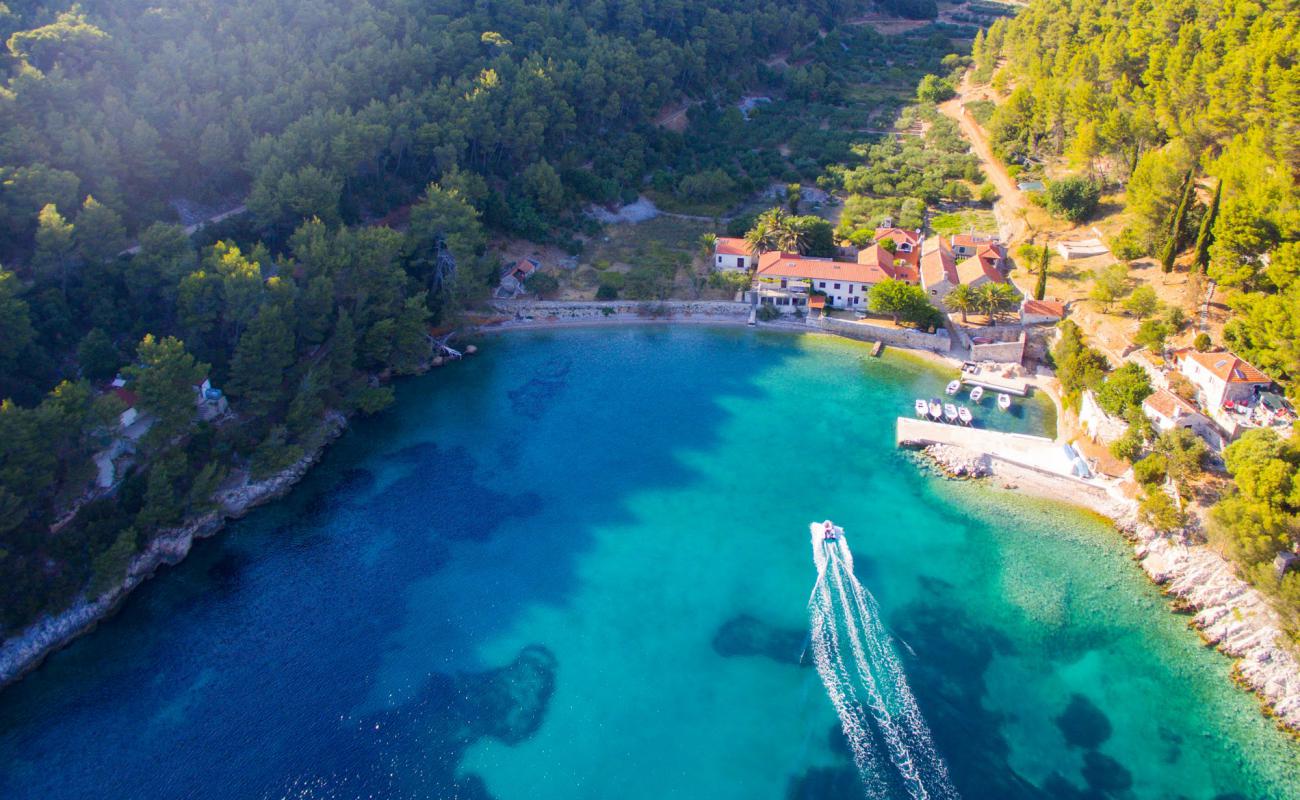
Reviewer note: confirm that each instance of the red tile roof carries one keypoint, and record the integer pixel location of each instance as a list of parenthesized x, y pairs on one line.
[(730, 246), (983, 263), (1168, 405), (125, 395), (1043, 308), (1226, 367), (938, 263), (791, 265), (817, 301), (894, 265)]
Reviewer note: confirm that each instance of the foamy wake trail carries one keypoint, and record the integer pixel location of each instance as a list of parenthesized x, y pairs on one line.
[(866, 684)]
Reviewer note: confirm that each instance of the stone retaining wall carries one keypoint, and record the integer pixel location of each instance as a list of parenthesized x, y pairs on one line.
[(900, 337), (562, 310)]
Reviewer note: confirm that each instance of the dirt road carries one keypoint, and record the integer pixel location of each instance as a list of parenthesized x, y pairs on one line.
[(1012, 204)]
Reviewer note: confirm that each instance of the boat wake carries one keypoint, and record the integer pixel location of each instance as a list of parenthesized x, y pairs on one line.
[(855, 658)]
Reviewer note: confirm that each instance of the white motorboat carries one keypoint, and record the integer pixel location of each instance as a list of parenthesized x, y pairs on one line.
[(954, 387), (936, 409), (950, 412), (1004, 401), (964, 415), (977, 394), (922, 407)]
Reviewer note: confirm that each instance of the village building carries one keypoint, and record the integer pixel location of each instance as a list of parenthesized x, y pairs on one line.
[(1221, 378), (1167, 411), (965, 245), (1041, 312), (787, 279), (210, 402), (944, 266), (514, 276), (1233, 392), (732, 254)]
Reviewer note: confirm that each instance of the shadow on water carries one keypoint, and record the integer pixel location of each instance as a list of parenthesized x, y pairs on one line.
[(253, 666)]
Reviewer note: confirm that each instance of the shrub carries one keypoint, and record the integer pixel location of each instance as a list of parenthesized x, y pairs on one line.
[(1159, 511), (1202, 342), (1151, 470), (542, 284), (606, 292), (767, 313), (1073, 198), (1127, 246)]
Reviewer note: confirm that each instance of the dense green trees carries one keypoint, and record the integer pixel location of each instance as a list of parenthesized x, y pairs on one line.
[(1073, 198), (902, 301)]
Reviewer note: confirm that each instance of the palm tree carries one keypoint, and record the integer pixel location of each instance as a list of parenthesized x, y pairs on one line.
[(773, 231), (962, 298), (994, 298)]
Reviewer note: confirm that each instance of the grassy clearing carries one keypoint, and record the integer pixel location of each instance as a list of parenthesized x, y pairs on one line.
[(971, 219)]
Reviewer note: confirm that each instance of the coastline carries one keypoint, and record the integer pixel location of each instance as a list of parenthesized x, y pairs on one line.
[(26, 651), (1227, 612)]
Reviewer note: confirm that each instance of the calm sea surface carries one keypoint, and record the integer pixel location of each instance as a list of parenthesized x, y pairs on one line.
[(578, 566)]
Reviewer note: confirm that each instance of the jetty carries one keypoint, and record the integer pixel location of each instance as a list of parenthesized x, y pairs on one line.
[(1033, 452)]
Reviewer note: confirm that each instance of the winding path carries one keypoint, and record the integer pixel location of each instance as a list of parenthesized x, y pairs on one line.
[(1011, 203)]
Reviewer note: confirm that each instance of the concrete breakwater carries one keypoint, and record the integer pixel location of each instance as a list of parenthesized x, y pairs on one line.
[(1229, 613)]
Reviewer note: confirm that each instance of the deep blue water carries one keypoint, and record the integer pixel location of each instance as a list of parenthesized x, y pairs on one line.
[(577, 566)]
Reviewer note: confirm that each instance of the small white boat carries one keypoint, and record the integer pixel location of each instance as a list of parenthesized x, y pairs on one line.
[(830, 532), (964, 415), (922, 407), (977, 394), (954, 387), (1004, 401), (950, 412), (936, 409)]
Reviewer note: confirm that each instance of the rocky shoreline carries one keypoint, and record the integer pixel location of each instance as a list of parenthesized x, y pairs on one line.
[(25, 652), (1228, 613)]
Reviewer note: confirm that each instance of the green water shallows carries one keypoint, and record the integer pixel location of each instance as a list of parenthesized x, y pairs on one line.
[(578, 566)]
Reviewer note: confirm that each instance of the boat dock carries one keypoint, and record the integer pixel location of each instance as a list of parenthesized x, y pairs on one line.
[(1016, 386), (1035, 452)]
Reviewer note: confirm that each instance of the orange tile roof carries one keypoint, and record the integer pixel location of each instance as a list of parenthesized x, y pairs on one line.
[(972, 240), (730, 246), (1227, 367), (791, 265), (938, 263), (817, 301), (894, 265), (980, 264), (1044, 308), (898, 235), (1168, 405)]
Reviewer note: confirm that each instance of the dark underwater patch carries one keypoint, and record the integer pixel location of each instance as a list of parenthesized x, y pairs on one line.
[(747, 635), (1083, 724)]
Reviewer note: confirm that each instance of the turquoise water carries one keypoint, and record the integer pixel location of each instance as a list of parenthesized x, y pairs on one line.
[(578, 566)]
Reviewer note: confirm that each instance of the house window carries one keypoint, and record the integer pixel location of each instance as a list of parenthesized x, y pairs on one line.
[(837, 286), (719, 259), (783, 283), (821, 285), (933, 292), (850, 288), (740, 261)]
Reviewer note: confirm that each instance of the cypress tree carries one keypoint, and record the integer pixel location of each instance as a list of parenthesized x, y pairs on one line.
[(1040, 289), (1205, 236), (1176, 226)]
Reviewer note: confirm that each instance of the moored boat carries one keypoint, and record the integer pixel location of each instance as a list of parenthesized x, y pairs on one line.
[(950, 412), (977, 394), (936, 409), (953, 387), (1004, 401), (964, 415), (922, 407)]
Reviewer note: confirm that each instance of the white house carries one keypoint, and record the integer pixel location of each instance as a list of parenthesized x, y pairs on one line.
[(515, 275), (844, 283), (1167, 411), (1221, 378), (938, 270), (734, 254), (945, 267)]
